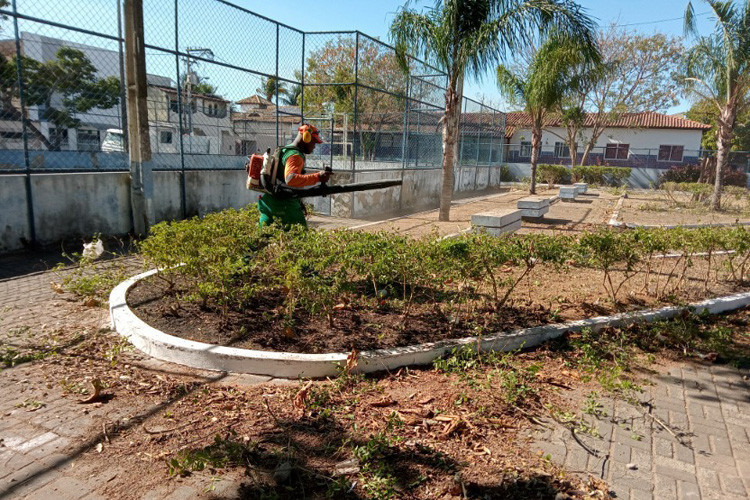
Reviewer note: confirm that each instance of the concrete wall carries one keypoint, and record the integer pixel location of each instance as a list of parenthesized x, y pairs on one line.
[(77, 205), (13, 216)]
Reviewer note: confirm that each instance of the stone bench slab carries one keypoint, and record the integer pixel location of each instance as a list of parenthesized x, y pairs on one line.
[(496, 218), (497, 231), (568, 193), (534, 213), (533, 202), (581, 187)]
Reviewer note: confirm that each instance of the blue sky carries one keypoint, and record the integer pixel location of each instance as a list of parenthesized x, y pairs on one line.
[(247, 42), (374, 18)]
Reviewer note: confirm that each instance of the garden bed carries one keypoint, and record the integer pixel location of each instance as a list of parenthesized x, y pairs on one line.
[(546, 296), (321, 291), (661, 208)]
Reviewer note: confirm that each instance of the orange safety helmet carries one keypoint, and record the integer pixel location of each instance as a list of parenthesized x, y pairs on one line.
[(309, 133)]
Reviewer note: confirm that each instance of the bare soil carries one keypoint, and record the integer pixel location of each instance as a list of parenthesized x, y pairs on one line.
[(590, 210), (649, 207), (546, 295)]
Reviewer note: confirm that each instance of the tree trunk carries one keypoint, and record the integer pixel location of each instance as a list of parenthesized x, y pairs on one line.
[(572, 144), (450, 133), (596, 131), (536, 146), (723, 145)]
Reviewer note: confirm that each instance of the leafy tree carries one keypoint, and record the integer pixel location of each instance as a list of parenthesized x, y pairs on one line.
[(545, 83), (62, 88), (717, 69), (269, 86), (637, 73), (378, 69), (467, 37)]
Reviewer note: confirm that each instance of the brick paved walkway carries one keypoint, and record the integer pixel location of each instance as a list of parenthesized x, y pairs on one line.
[(44, 434), (688, 438), (695, 444)]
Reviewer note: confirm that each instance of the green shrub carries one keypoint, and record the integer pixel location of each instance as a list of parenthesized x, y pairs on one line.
[(228, 261), (553, 174), (601, 176)]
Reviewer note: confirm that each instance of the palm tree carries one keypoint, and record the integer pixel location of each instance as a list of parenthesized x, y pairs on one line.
[(468, 37), (292, 96), (548, 79), (717, 68), (270, 86)]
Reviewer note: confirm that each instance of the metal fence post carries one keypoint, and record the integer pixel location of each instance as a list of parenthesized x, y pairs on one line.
[(123, 99), (277, 84), (302, 84), (356, 92), (405, 138), (26, 159), (183, 196), (331, 139)]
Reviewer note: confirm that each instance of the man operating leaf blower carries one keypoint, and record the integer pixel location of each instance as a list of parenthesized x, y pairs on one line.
[(282, 179), (289, 171)]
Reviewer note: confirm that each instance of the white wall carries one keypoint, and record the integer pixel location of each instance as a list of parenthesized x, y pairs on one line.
[(637, 138)]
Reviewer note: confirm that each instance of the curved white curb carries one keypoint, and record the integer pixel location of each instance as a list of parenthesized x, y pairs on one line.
[(294, 365)]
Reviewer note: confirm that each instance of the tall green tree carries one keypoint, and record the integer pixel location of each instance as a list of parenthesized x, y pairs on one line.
[(705, 111), (637, 73), (468, 37), (717, 69), (378, 69), (545, 83), (62, 87), (270, 86)]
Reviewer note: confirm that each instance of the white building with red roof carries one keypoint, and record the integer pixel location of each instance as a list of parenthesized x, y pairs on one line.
[(646, 139)]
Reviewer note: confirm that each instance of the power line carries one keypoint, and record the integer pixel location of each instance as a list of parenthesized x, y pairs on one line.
[(662, 20)]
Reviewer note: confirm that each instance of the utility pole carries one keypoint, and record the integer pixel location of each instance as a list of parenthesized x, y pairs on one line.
[(201, 52), (139, 145)]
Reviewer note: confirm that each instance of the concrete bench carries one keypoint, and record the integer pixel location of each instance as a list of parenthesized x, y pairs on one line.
[(533, 206), (497, 222), (568, 193), (581, 187)]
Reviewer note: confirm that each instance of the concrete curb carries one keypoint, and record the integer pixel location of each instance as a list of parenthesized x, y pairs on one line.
[(294, 365), (616, 212)]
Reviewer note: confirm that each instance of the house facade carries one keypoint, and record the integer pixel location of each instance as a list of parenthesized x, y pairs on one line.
[(254, 125), (647, 139), (206, 123), (206, 116)]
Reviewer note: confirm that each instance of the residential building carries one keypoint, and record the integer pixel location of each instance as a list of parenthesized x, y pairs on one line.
[(254, 125), (645, 139), (206, 116)]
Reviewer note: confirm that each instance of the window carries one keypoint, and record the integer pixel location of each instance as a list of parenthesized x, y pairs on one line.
[(670, 153), (616, 152), (562, 150), (88, 140), (59, 137), (525, 149), (247, 148), (165, 137), (174, 105)]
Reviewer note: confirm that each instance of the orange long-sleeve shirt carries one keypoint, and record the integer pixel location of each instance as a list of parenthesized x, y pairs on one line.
[(293, 175)]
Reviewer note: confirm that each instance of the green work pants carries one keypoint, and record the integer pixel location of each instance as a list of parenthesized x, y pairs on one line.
[(284, 211)]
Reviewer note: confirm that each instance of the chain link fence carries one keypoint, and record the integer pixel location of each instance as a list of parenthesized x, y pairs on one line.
[(223, 82)]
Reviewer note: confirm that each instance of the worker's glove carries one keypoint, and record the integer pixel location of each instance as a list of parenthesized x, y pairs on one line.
[(324, 176)]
